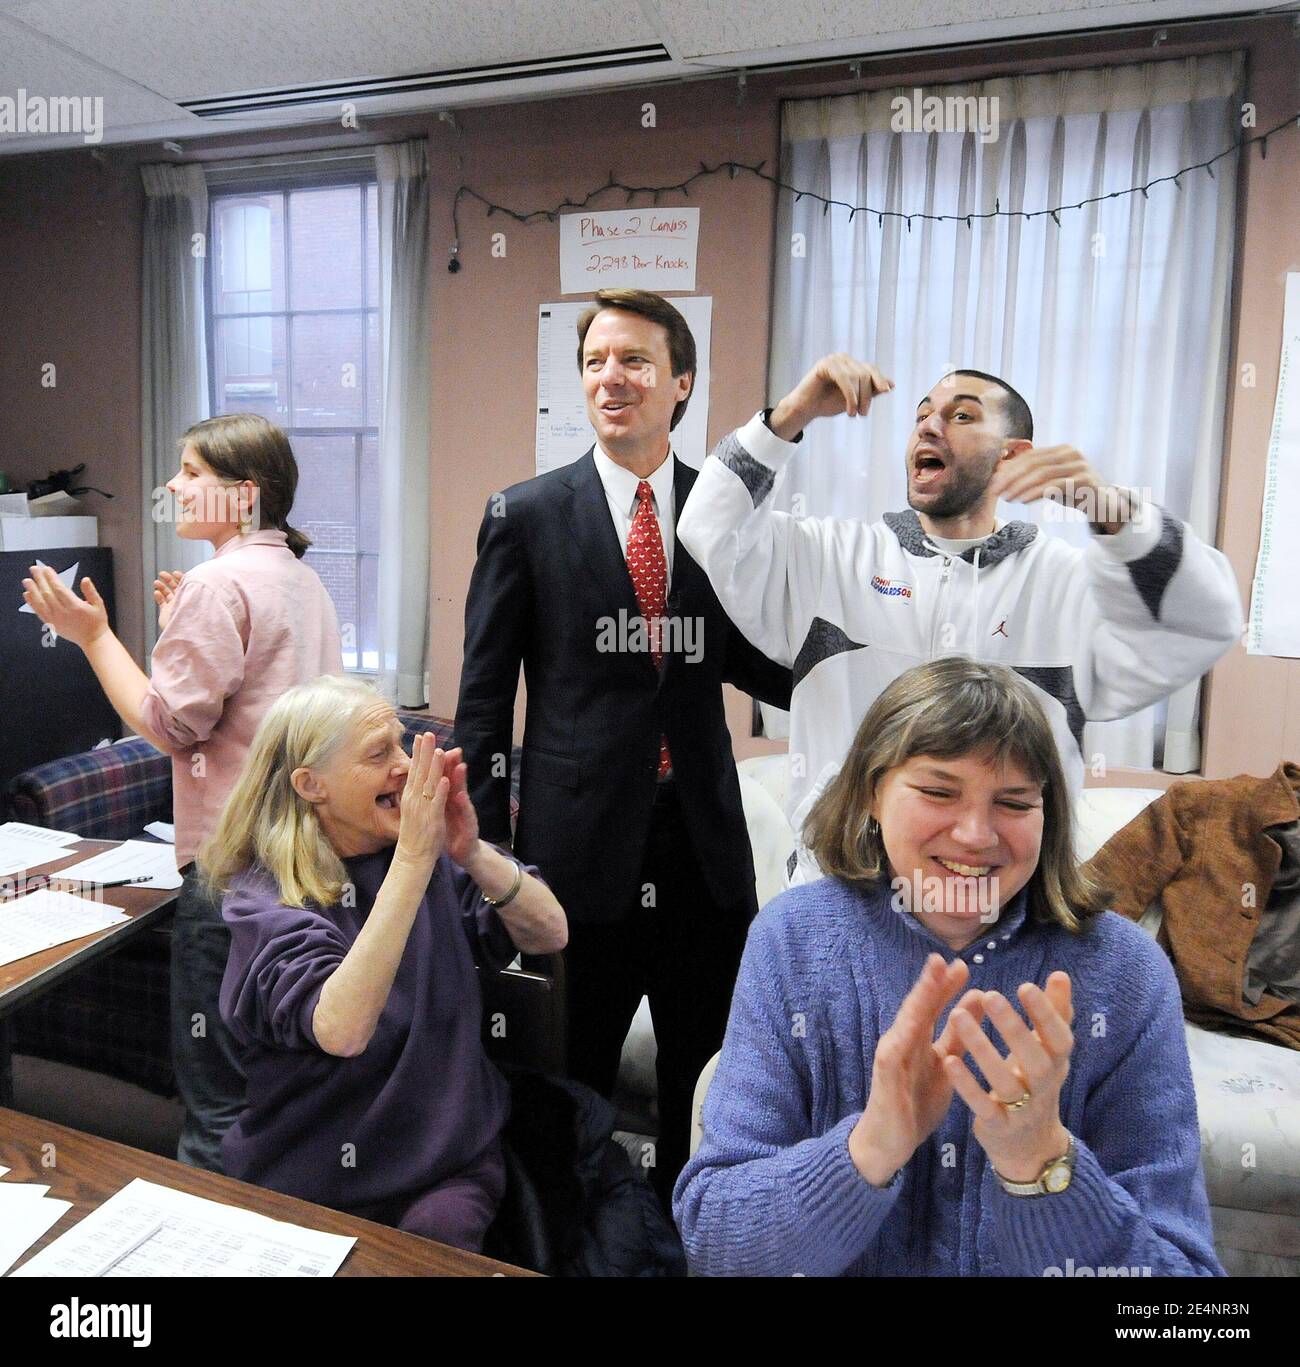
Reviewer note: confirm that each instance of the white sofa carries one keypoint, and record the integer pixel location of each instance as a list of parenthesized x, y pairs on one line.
[(1247, 1090)]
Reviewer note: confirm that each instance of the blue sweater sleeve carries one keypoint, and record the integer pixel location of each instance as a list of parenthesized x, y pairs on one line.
[(764, 1195), (1137, 1199)]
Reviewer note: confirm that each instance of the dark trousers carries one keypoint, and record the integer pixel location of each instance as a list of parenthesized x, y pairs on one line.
[(204, 1055), (682, 951)]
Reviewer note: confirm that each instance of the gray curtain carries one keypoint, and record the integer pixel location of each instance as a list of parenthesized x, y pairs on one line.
[(174, 368), (405, 425)]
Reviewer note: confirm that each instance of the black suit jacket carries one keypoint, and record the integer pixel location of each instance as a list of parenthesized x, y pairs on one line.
[(549, 579)]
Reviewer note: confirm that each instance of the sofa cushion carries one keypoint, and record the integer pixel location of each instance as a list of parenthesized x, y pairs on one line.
[(1248, 1101)]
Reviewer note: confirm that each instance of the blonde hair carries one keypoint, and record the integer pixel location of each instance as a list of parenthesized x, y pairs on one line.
[(265, 821), (949, 708)]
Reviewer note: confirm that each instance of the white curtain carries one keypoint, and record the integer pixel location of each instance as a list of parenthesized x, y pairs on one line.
[(1113, 325), (173, 361), (405, 426)]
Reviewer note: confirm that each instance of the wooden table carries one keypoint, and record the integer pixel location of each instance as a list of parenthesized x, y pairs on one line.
[(88, 1170), (27, 978)]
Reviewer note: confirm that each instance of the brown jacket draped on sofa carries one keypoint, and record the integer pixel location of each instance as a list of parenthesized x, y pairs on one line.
[(1204, 850)]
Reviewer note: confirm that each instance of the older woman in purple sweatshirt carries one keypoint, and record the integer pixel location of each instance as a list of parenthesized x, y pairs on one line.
[(947, 1058), (359, 900)]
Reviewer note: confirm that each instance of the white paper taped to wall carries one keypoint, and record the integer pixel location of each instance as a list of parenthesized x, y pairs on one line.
[(1274, 627)]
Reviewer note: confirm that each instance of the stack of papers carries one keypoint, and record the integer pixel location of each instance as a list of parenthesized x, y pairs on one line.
[(150, 864), (24, 847), (146, 1230), (46, 918), (25, 1214)]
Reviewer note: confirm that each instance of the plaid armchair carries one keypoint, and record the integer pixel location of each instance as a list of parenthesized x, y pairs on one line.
[(111, 793), (111, 1017)]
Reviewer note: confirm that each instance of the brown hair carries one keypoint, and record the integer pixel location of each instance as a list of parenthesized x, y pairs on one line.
[(241, 446), (948, 708), (681, 344)]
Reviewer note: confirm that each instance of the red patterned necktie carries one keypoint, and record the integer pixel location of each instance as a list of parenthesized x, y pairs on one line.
[(649, 570)]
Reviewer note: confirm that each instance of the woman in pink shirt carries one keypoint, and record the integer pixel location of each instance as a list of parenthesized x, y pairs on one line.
[(237, 631)]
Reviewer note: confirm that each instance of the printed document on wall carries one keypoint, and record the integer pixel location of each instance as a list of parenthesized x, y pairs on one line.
[(1274, 603)]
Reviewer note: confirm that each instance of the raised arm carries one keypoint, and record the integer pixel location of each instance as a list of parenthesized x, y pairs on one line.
[(84, 622), (354, 995), (766, 567), (1155, 606), (505, 901)]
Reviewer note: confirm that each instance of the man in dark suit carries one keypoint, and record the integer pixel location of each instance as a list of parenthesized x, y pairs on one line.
[(629, 800)]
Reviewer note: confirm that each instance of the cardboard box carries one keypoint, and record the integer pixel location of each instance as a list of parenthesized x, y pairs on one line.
[(47, 533)]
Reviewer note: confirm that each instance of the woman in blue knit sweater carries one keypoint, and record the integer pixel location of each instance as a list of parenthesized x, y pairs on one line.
[(881, 1107)]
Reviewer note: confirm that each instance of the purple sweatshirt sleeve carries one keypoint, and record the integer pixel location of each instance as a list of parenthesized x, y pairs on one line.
[(763, 1196), (279, 960), (1137, 1198)]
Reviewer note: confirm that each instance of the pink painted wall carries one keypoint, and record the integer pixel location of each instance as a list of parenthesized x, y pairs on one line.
[(70, 285), (70, 296)]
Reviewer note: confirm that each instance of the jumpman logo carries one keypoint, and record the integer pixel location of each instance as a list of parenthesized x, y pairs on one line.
[(1001, 629)]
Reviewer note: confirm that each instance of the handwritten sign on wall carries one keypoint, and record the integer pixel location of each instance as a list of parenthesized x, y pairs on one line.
[(647, 249)]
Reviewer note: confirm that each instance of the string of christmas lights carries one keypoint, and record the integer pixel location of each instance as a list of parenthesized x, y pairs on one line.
[(734, 168)]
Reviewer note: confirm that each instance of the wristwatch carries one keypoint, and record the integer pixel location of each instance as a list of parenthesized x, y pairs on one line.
[(1054, 1178)]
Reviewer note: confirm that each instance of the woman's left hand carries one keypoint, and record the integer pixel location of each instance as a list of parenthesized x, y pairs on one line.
[(1021, 1142), (80, 621), (462, 819)]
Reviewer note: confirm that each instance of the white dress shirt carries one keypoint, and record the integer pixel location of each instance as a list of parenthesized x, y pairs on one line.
[(620, 486)]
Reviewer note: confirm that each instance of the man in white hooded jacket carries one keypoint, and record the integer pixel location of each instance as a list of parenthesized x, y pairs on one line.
[(1101, 632)]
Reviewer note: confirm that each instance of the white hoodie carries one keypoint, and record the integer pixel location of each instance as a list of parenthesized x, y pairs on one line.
[(1100, 633)]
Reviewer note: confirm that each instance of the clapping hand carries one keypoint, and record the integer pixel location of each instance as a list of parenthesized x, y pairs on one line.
[(462, 819), (1018, 1119), (423, 831), (910, 1089), (164, 594), (81, 621)]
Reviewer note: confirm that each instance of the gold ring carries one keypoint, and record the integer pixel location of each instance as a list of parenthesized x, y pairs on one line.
[(1023, 1100)]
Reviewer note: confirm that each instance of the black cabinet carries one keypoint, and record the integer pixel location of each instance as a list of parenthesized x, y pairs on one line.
[(51, 704)]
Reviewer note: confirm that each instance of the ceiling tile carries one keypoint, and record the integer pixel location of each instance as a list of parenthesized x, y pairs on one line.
[(764, 25), (190, 49), (31, 64)]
